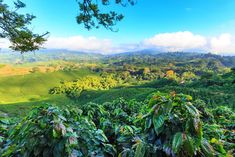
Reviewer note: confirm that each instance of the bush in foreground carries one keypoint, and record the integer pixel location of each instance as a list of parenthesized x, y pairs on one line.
[(169, 125)]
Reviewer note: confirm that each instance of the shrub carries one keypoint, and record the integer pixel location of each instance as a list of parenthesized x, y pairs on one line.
[(48, 131)]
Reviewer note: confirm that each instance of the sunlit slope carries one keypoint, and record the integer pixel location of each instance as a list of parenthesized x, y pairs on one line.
[(35, 86)]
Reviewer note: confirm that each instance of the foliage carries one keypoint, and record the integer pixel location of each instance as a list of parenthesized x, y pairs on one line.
[(4, 127), (49, 131), (117, 120), (92, 17), (173, 126), (168, 125), (14, 26), (73, 89), (224, 116)]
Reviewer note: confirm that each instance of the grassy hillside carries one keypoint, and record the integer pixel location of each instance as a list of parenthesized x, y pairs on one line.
[(127, 93), (20, 92), (26, 90)]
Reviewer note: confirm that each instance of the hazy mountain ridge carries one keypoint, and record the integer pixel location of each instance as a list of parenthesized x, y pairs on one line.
[(7, 56)]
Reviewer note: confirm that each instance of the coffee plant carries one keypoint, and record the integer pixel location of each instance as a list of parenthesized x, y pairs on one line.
[(163, 125)]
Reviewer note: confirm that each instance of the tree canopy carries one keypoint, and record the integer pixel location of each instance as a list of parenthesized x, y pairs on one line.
[(92, 17), (15, 26)]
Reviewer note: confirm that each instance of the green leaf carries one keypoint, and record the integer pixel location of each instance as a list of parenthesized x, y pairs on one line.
[(192, 110), (108, 148), (148, 123), (101, 136), (5, 121), (177, 141), (189, 145), (158, 122), (122, 139), (42, 124), (167, 107), (1, 139), (126, 153), (55, 134), (140, 150), (129, 129), (207, 148)]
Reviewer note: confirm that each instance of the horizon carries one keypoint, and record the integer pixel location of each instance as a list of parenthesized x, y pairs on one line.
[(8, 51), (170, 27)]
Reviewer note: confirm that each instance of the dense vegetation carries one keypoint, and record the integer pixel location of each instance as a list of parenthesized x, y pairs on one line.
[(203, 76), (124, 105), (167, 125)]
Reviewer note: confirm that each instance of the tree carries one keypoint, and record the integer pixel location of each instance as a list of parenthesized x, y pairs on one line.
[(188, 75), (146, 71), (14, 26), (170, 73), (91, 16)]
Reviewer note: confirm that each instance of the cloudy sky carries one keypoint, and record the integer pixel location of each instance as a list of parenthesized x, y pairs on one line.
[(165, 25)]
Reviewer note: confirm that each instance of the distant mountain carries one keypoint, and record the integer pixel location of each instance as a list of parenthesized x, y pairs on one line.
[(8, 56), (228, 61), (155, 52), (141, 52)]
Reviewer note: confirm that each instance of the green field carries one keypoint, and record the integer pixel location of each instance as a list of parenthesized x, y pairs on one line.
[(127, 93), (25, 91), (22, 92)]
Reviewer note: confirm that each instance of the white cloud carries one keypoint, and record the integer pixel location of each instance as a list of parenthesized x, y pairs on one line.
[(80, 43), (88, 44), (4, 43), (187, 41), (177, 41), (223, 43)]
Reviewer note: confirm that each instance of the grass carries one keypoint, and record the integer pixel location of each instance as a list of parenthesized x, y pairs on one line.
[(19, 109), (27, 93), (19, 93), (127, 93), (34, 86)]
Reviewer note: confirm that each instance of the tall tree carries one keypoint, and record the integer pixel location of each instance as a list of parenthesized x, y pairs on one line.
[(14, 26)]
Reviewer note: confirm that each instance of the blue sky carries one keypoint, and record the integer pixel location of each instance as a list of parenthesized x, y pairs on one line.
[(149, 21)]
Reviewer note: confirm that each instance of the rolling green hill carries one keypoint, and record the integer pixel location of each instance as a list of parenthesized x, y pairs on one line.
[(19, 93), (25, 90)]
